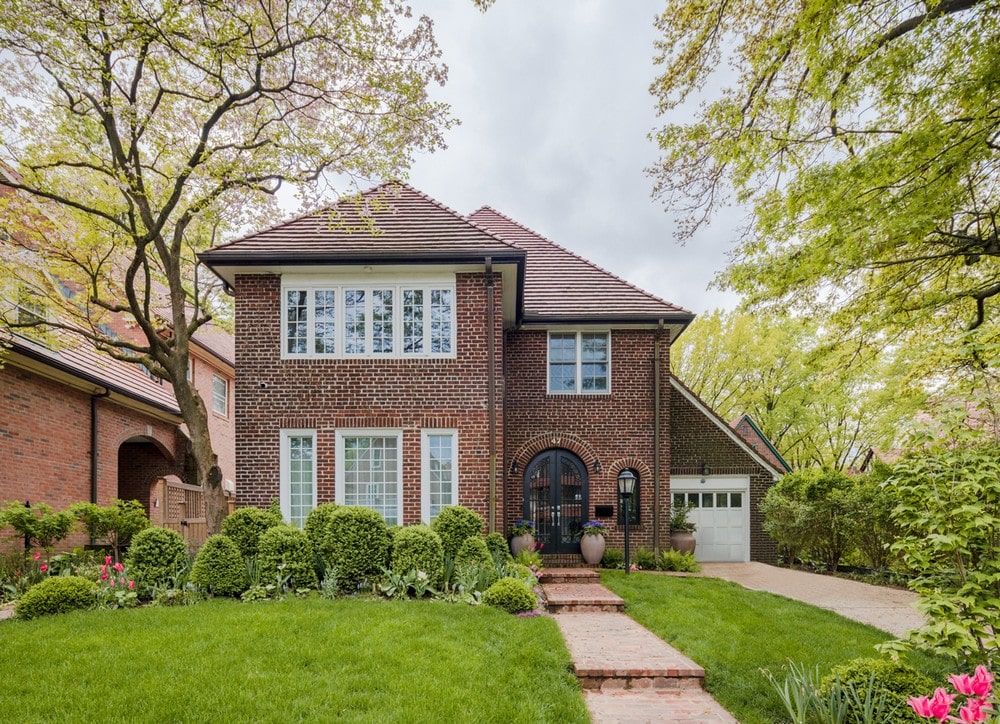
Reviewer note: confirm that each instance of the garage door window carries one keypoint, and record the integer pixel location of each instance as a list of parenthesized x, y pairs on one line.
[(709, 500)]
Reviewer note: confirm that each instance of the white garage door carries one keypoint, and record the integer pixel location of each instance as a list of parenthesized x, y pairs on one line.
[(722, 512)]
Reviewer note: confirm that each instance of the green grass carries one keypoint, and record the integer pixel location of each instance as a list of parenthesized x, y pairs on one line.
[(734, 633), (296, 660)]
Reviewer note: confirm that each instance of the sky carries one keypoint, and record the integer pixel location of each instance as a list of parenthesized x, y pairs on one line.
[(555, 107)]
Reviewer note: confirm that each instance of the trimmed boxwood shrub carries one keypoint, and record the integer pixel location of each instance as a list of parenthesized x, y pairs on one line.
[(244, 526), (474, 552), (417, 547), (219, 567), (896, 679), (358, 541), (317, 525), (499, 548), (510, 595), (58, 594), (156, 555), (285, 551), (454, 524)]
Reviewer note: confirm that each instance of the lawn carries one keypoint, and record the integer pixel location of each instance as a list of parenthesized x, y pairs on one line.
[(295, 660), (734, 633)]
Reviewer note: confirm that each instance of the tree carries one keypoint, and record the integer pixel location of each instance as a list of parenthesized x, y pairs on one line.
[(821, 401), (116, 523), (138, 133), (866, 139)]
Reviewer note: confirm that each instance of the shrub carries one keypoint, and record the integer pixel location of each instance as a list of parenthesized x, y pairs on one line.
[(115, 523), (499, 549), (896, 680), (872, 504), (219, 567), (318, 525), (510, 595), (645, 559), (613, 558), (44, 526), (358, 542), (57, 595), (473, 552), (520, 572), (454, 524), (245, 527), (156, 556), (671, 560), (285, 554), (418, 548)]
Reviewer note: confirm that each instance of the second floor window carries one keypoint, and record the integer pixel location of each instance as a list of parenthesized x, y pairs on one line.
[(220, 395), (379, 320), (579, 362)]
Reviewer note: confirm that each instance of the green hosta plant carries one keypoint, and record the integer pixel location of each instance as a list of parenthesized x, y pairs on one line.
[(949, 515)]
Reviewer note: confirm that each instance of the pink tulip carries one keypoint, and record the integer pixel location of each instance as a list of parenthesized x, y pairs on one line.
[(43, 568), (119, 567), (104, 576), (131, 585), (973, 711), (937, 707), (111, 582), (107, 560), (982, 681)]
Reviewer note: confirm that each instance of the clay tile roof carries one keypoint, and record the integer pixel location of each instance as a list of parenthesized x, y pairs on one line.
[(560, 285), (407, 223)]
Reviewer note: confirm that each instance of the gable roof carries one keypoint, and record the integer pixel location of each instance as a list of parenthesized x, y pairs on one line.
[(389, 223), (746, 428), (563, 287), (691, 397)]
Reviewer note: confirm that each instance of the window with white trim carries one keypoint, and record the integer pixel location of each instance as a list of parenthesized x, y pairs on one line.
[(369, 471), (439, 472), (579, 362), (220, 395), (297, 491), (394, 319)]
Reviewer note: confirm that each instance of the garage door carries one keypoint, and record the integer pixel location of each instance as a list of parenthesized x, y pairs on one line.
[(721, 512)]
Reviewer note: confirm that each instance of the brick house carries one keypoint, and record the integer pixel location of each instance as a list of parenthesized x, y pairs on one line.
[(395, 354)]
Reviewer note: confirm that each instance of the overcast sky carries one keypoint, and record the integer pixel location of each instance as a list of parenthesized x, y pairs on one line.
[(555, 108)]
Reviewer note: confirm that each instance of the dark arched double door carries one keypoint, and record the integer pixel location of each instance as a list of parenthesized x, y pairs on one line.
[(555, 498)]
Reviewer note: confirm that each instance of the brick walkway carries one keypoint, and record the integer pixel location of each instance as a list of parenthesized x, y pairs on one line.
[(627, 673)]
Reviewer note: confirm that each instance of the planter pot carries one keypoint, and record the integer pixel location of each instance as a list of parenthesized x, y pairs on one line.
[(592, 547), (682, 540), (521, 542)]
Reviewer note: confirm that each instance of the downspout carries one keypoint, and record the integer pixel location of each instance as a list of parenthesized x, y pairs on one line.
[(491, 393), (656, 439), (94, 397)]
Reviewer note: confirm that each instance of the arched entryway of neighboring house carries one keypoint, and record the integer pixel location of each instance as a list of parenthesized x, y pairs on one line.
[(556, 499), (141, 462)]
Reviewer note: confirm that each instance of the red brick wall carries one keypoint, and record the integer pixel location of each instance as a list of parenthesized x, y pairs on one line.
[(45, 441), (616, 428), (327, 395), (754, 440), (696, 439)]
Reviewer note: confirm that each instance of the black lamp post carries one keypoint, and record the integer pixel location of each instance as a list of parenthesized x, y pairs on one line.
[(626, 487)]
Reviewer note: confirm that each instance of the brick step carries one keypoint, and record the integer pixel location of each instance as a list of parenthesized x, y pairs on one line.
[(569, 575), (579, 597), (611, 652)]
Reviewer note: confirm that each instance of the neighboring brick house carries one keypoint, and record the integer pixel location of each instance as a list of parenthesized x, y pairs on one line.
[(76, 425), (434, 359)]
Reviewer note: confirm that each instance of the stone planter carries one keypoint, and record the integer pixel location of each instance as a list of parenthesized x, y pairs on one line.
[(592, 547), (521, 543), (682, 540)]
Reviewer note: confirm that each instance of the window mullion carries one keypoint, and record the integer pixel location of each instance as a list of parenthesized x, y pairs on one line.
[(579, 363)]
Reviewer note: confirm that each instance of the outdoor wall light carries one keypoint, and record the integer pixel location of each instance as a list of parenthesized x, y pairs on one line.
[(626, 488), (597, 465), (513, 467)]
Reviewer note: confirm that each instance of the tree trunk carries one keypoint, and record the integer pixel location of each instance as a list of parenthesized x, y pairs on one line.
[(205, 460)]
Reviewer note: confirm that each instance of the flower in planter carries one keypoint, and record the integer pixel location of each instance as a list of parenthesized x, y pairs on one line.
[(592, 527), (523, 527)]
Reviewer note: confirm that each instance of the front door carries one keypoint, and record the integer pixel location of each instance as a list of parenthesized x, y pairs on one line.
[(555, 498)]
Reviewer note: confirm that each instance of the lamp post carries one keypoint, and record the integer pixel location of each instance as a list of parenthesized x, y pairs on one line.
[(626, 487)]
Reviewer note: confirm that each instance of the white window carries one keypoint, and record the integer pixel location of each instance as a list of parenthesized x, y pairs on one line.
[(324, 318), (220, 395), (439, 472), (369, 471), (579, 362), (297, 493)]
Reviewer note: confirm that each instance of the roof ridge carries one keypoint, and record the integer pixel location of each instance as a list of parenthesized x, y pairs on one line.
[(586, 261)]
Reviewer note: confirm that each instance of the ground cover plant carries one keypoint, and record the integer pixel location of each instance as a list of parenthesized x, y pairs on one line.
[(292, 660), (735, 633)]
